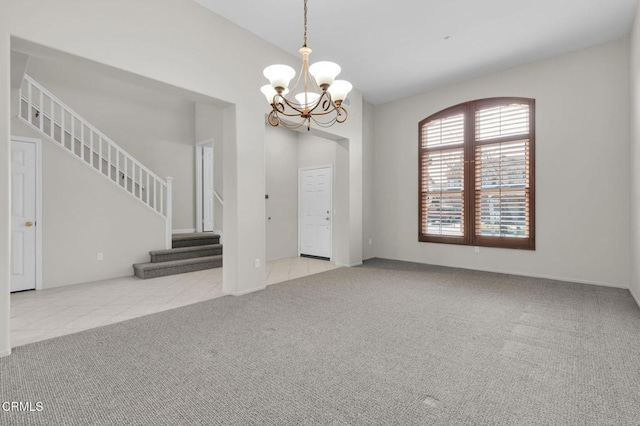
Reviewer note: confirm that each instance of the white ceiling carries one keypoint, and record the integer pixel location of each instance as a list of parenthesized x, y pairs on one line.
[(393, 49)]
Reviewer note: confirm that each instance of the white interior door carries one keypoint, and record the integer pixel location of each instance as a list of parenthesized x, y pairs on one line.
[(207, 189), (23, 216), (315, 212)]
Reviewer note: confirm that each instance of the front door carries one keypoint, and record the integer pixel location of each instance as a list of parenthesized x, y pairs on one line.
[(315, 212), (23, 216)]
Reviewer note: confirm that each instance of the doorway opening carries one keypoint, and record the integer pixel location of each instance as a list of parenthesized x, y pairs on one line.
[(205, 187)]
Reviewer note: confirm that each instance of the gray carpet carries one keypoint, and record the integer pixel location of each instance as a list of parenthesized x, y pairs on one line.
[(388, 343)]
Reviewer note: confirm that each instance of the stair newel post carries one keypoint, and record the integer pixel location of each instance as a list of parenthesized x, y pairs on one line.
[(169, 212)]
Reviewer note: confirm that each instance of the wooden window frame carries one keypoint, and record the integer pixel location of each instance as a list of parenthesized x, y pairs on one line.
[(469, 145)]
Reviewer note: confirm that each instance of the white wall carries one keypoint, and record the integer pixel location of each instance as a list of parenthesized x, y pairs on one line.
[(281, 157), (635, 159), (286, 151), (83, 214), (316, 151), (179, 43), (209, 127), (582, 169), (368, 196), (157, 128), (5, 188)]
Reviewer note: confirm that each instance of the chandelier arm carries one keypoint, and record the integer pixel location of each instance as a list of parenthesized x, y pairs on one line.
[(293, 126), (295, 85), (273, 118), (292, 106), (315, 85), (319, 102), (322, 114), (289, 115), (280, 108), (346, 115), (277, 105), (324, 123), (314, 114)]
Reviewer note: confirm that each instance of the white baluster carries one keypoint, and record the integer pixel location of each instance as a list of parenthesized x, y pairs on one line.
[(140, 182), (52, 121), (91, 150), (82, 139), (73, 134), (125, 173), (20, 102), (148, 190), (169, 212), (41, 109), (63, 132), (30, 102), (117, 166), (100, 156), (109, 161)]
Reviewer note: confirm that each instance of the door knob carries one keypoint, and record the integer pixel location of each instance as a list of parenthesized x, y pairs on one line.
[(28, 224)]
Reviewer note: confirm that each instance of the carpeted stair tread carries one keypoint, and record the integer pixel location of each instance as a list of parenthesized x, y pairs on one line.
[(194, 239), (172, 267), (193, 236), (190, 252), (185, 253), (174, 263)]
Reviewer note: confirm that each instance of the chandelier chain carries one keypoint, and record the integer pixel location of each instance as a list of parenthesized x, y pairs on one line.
[(305, 24)]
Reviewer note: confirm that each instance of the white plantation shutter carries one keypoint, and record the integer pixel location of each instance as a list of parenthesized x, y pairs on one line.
[(502, 121), (502, 189), (444, 132), (477, 174), (442, 176), (443, 192)]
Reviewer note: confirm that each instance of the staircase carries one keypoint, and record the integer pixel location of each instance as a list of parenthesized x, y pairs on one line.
[(189, 252), (43, 112)]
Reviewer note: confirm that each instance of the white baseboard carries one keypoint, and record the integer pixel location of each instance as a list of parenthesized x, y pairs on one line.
[(243, 292), (5, 353), (563, 279), (551, 277), (522, 274), (184, 231)]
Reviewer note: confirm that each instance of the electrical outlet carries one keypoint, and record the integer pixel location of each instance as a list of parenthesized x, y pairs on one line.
[(100, 257), (370, 241), (257, 263), (476, 249)]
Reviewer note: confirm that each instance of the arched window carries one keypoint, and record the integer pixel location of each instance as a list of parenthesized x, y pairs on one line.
[(476, 172)]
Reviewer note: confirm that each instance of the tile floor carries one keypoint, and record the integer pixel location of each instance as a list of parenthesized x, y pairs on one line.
[(295, 267), (40, 315)]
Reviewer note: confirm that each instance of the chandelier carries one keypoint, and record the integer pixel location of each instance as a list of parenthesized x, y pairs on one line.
[(319, 99)]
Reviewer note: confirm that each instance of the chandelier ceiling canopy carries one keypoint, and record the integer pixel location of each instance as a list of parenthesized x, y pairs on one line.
[(319, 99)]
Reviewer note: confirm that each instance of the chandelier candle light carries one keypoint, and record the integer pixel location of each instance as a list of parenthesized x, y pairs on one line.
[(322, 105)]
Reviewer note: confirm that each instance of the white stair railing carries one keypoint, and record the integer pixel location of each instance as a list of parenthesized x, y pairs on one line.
[(44, 112)]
